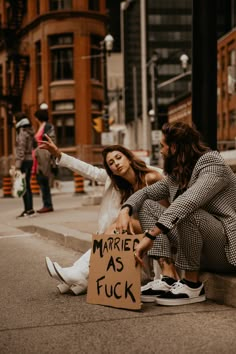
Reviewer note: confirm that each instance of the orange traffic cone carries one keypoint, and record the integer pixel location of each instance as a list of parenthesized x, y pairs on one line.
[(34, 185), (79, 183)]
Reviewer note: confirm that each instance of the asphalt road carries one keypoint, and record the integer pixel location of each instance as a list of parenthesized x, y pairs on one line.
[(35, 318)]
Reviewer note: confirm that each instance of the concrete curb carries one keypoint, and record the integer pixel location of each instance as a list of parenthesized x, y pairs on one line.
[(220, 288), (76, 240)]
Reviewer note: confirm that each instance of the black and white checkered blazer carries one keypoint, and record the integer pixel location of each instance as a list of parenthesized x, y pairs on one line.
[(212, 187)]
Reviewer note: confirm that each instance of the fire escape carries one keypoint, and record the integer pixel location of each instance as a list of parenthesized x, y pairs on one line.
[(17, 65)]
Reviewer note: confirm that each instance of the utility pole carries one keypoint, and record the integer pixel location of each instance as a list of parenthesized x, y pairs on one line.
[(204, 70), (156, 132), (106, 48), (153, 113)]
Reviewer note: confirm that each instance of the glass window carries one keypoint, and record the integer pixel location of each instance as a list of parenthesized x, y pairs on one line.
[(222, 63), (64, 106), (94, 5), (232, 118), (231, 79), (224, 120), (95, 62), (155, 19), (218, 121), (61, 48), (60, 4), (1, 80), (37, 7), (38, 63), (64, 122), (155, 36), (2, 136), (169, 4), (232, 57), (223, 90)]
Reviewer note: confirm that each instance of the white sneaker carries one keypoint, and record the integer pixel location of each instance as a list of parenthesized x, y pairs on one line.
[(157, 287), (181, 294)]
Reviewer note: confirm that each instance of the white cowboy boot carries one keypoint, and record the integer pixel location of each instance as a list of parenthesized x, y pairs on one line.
[(77, 275), (62, 287)]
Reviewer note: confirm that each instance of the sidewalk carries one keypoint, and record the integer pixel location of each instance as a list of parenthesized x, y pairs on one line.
[(75, 219)]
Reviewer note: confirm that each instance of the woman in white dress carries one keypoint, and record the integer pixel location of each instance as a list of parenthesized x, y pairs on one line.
[(122, 175)]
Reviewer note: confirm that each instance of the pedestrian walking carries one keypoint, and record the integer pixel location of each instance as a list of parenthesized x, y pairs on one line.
[(43, 161), (200, 222), (122, 175), (23, 158)]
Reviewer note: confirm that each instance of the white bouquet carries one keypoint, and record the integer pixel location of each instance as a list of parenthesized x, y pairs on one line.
[(18, 182)]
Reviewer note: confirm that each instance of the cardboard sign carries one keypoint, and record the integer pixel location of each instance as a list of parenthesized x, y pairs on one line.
[(114, 278)]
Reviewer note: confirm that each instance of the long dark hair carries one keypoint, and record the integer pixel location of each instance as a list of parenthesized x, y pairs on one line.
[(139, 166), (189, 147)]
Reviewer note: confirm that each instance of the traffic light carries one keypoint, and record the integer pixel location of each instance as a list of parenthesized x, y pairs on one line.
[(111, 120), (98, 124)]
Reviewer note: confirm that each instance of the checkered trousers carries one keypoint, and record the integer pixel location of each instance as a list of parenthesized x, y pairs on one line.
[(199, 239)]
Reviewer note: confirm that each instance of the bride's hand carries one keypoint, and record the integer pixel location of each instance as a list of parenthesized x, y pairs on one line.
[(50, 146)]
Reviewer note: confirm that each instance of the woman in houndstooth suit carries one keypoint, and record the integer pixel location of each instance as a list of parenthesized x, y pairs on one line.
[(199, 224)]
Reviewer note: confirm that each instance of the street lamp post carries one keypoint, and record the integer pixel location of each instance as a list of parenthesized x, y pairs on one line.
[(106, 48), (153, 113)]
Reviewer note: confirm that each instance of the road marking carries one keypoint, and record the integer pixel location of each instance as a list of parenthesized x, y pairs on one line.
[(20, 235)]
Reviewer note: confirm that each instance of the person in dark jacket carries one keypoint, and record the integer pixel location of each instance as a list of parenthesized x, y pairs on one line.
[(43, 161), (24, 159)]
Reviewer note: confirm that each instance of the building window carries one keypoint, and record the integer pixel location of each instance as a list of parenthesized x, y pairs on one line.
[(61, 48), (218, 121), (223, 92), (223, 63), (38, 7), (64, 121), (1, 80), (232, 57), (232, 118), (38, 63), (2, 136), (224, 120), (95, 62), (94, 5), (60, 5)]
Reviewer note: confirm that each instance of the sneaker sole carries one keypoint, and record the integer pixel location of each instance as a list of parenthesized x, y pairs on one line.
[(148, 299), (177, 302)]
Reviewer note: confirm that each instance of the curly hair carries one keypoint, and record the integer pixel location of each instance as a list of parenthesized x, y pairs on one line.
[(189, 146), (120, 184)]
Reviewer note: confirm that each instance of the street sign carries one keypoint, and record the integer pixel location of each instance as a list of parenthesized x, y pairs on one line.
[(156, 137)]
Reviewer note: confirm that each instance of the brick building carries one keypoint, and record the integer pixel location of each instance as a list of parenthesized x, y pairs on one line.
[(180, 110), (45, 56), (226, 91)]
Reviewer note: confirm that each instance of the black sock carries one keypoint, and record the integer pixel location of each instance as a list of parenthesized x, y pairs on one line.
[(191, 284), (168, 280)]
